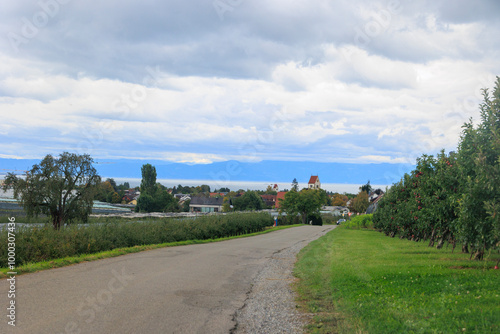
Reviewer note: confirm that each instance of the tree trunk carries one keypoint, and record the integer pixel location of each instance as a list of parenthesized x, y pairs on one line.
[(56, 222), (465, 248), (479, 255), (431, 241), (441, 242)]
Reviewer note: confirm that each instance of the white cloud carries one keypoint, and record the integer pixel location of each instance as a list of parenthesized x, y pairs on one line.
[(248, 87), (383, 159)]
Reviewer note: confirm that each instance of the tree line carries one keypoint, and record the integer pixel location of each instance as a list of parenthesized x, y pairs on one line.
[(452, 197)]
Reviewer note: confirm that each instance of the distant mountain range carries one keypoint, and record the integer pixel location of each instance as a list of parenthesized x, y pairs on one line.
[(271, 171)]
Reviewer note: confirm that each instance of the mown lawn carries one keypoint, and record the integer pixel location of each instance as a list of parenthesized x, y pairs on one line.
[(361, 281)]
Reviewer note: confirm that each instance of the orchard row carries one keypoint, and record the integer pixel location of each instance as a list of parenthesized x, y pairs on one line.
[(453, 197)]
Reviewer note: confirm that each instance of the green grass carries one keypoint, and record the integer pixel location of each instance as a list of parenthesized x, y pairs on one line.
[(66, 261), (360, 281)]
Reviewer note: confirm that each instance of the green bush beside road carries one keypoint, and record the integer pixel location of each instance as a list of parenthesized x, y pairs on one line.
[(357, 222), (34, 244)]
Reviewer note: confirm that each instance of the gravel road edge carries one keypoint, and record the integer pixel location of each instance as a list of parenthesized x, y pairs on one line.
[(270, 307)]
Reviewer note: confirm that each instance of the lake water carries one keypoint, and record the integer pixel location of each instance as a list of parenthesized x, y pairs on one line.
[(250, 185), (235, 185)]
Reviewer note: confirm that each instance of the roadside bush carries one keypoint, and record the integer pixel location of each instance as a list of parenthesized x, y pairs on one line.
[(357, 222), (329, 219), (35, 244), (289, 220)]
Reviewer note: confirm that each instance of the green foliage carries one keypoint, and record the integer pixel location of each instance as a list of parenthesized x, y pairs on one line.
[(357, 222), (108, 191), (329, 219), (146, 203), (161, 201), (367, 188), (360, 203), (34, 244), (249, 201), (305, 202), (112, 182), (339, 199), (154, 197), (148, 182), (455, 197), (185, 206), (193, 190), (288, 220), (62, 188)]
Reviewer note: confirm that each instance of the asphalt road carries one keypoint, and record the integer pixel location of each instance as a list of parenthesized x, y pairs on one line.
[(185, 289)]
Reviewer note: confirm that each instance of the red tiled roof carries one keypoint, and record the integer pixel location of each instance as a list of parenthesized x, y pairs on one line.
[(313, 179), (281, 195), (268, 197)]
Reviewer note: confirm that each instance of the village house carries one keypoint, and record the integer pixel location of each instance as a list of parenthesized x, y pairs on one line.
[(182, 198), (314, 183), (131, 196), (219, 194), (206, 204), (269, 200), (280, 196), (374, 198)]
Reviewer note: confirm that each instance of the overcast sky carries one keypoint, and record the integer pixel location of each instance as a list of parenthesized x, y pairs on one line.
[(201, 81)]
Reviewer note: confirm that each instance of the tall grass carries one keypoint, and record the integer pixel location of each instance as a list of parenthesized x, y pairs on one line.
[(34, 244)]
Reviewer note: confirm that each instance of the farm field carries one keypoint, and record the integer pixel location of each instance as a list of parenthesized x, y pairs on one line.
[(361, 281)]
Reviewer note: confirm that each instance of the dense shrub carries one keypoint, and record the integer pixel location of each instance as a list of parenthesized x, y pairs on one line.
[(34, 244), (330, 219), (357, 222), (289, 220)]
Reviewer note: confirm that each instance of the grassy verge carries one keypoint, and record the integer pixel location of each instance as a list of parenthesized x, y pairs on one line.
[(360, 281), (66, 261)]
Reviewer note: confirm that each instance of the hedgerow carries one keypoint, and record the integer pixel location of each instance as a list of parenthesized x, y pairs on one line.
[(35, 244)]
